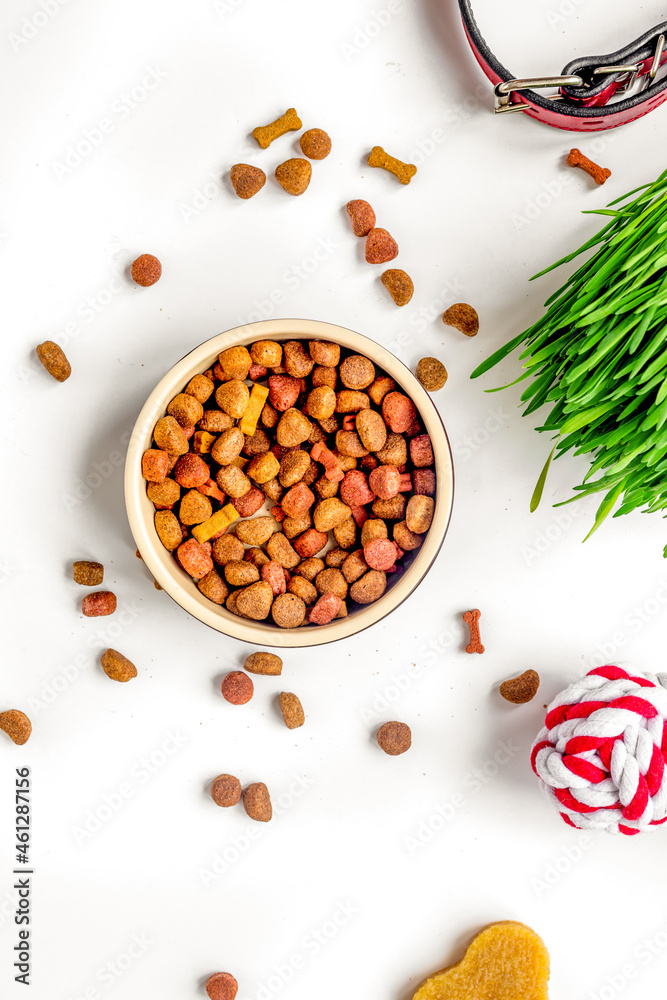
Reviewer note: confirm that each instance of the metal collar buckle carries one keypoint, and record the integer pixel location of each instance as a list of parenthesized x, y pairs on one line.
[(504, 90)]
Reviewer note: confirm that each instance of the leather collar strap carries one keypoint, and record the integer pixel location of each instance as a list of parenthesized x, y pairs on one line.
[(581, 103)]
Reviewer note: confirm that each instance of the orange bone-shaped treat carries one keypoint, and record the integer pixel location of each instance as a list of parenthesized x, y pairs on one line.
[(378, 157), (265, 134), (577, 159), (472, 619), (506, 961)]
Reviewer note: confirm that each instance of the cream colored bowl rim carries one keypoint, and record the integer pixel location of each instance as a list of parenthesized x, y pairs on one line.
[(161, 563)]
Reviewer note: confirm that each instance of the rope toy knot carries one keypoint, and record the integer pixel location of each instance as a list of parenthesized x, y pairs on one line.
[(601, 754)]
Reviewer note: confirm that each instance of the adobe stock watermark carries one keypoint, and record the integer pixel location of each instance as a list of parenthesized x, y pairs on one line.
[(201, 198), (472, 784), (555, 871), (117, 968), (420, 319), (365, 33), (238, 845), (141, 772), (223, 7), (310, 945), (99, 474), (643, 955), (553, 532), (121, 109), (453, 116), (560, 14), (32, 24), (468, 445), (633, 622)]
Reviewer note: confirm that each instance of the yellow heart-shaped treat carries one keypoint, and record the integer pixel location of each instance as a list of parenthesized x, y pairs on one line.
[(506, 961)]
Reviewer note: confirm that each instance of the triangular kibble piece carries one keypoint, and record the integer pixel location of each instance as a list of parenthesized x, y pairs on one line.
[(506, 961)]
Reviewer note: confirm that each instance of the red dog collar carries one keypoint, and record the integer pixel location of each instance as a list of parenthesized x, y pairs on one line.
[(585, 85)]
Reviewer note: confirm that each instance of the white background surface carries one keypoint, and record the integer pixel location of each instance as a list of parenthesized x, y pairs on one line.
[(492, 203)]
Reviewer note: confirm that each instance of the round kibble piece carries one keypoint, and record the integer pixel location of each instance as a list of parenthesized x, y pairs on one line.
[(226, 790), (221, 986), (463, 317), (521, 689), (88, 574), (394, 738), (294, 175), (324, 353), (163, 495), (246, 179), (370, 587), (315, 144), (380, 247), (103, 602), (380, 553), (54, 360), (292, 710), (399, 285), (357, 372), (257, 802), (146, 270), (264, 663), (228, 548), (16, 725), (432, 374), (288, 611), (214, 587), (361, 215), (237, 688), (117, 667)]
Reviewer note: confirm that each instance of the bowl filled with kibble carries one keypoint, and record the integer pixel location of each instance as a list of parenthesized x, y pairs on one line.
[(289, 483)]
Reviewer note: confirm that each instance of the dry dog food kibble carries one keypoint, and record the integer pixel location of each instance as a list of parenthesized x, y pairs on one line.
[(315, 144), (324, 448), (380, 247), (264, 663), (16, 725), (265, 134), (292, 710), (294, 175), (88, 574), (246, 179), (463, 317), (221, 986), (146, 270), (399, 285), (226, 790), (404, 172), (237, 688), (54, 360), (257, 802), (394, 738), (576, 158), (117, 667), (432, 374), (102, 602), (362, 218), (521, 689)]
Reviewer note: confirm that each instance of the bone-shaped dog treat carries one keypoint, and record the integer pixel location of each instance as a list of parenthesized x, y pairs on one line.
[(472, 619), (577, 159), (378, 157), (265, 134)]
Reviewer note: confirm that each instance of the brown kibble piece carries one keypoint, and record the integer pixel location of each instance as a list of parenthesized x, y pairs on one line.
[(294, 175), (369, 587), (169, 436), (577, 159), (361, 215), (257, 802), (399, 285), (102, 602), (432, 374), (324, 353), (404, 172), (463, 318), (16, 725), (214, 587), (357, 372), (380, 247), (472, 620), (265, 134), (221, 986), (315, 144), (226, 791), (117, 667), (237, 688), (292, 710), (246, 179), (255, 601), (88, 574), (146, 270), (288, 611), (521, 689), (54, 360), (268, 664), (394, 738), (168, 529), (419, 514)]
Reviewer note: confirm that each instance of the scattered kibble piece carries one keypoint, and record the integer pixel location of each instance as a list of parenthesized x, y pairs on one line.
[(521, 689), (117, 667), (264, 663), (146, 270), (102, 602), (463, 317), (294, 175), (315, 144), (394, 738), (432, 374), (265, 134), (577, 159), (380, 247), (506, 961), (246, 179), (16, 725), (237, 688), (221, 986), (399, 285), (226, 790), (257, 802), (54, 360), (88, 574), (292, 710), (404, 172), (361, 215), (472, 620)]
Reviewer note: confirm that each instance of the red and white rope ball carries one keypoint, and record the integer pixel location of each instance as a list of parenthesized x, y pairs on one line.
[(601, 754)]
